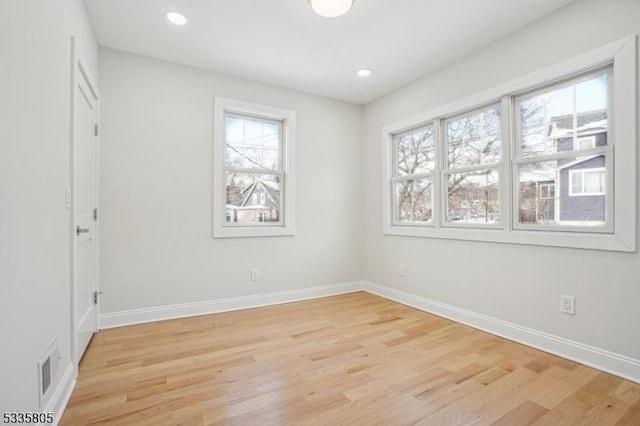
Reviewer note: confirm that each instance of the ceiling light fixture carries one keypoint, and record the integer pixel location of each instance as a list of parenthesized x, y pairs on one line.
[(331, 8), (176, 18), (364, 72)]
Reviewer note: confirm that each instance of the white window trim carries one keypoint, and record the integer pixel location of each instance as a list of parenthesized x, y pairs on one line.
[(622, 137), (572, 173), (287, 185)]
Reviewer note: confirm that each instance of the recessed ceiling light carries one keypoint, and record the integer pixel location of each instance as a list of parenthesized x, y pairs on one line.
[(364, 72), (176, 18), (331, 8)]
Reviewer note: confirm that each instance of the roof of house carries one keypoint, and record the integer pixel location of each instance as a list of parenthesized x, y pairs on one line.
[(543, 177), (578, 161), (586, 122), (270, 190)]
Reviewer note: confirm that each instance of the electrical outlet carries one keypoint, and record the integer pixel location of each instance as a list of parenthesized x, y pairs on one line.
[(568, 304), (402, 271), (255, 274)]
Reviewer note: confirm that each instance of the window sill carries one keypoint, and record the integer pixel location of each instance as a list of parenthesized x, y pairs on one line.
[(590, 241), (253, 231)]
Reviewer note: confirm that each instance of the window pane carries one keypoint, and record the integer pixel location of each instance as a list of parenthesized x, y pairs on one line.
[(414, 151), (252, 143), (473, 197), (549, 121), (593, 182), (586, 142), (413, 200), (546, 190), (536, 206), (576, 183), (252, 198), (579, 198), (474, 139)]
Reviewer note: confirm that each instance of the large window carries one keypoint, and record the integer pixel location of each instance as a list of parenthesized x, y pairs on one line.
[(253, 170), (536, 154)]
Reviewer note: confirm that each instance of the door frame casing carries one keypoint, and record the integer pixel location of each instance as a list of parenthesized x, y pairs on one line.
[(80, 71)]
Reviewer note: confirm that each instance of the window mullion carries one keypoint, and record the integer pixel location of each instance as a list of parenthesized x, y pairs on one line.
[(394, 202), (436, 198), (444, 161), (516, 151), (504, 182)]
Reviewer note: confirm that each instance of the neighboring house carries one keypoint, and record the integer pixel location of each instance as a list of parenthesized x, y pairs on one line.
[(259, 204), (232, 213), (577, 194)]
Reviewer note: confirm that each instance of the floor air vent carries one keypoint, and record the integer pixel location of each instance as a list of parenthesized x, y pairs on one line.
[(47, 370)]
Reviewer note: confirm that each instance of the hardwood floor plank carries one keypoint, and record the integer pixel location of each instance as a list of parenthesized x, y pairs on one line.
[(349, 359), (631, 417), (453, 414), (561, 390), (525, 414)]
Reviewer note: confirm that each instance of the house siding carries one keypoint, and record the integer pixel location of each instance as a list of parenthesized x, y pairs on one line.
[(566, 144), (584, 207)]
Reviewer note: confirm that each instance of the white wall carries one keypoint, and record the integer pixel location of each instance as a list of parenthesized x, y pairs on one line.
[(35, 84), (515, 283), (156, 182)]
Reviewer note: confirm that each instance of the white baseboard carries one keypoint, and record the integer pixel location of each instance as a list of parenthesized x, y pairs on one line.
[(139, 316), (600, 359), (60, 397), (619, 365)]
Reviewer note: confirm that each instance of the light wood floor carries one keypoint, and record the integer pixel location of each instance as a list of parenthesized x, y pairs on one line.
[(354, 359)]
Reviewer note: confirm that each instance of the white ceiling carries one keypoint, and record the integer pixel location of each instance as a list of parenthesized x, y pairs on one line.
[(283, 42)]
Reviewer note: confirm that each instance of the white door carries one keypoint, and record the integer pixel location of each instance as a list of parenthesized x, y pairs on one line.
[(84, 148)]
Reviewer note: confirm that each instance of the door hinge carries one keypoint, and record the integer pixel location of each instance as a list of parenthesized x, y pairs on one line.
[(95, 214), (95, 130), (95, 297)]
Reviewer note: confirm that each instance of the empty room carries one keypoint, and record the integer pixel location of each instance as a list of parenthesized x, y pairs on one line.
[(328, 212)]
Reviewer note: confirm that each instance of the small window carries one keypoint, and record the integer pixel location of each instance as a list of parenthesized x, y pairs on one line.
[(588, 142), (587, 182), (254, 156), (547, 191)]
